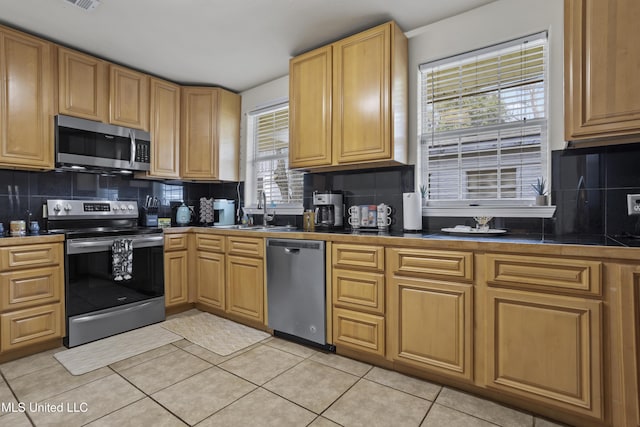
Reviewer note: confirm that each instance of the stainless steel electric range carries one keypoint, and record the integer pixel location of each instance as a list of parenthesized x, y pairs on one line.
[(114, 273)]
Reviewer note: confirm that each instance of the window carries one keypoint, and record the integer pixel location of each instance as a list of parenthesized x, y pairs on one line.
[(483, 127), (268, 167)]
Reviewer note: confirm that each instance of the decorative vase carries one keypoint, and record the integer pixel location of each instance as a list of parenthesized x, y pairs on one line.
[(541, 200)]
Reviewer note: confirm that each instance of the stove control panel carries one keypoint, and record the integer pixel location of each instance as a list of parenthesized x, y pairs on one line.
[(633, 204), (91, 209)]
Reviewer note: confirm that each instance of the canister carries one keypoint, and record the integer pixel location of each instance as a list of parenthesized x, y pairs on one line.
[(18, 228)]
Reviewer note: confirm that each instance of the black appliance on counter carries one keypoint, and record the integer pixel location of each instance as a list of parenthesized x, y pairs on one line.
[(114, 271)]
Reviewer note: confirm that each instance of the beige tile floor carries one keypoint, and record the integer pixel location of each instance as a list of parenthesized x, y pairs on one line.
[(273, 383)]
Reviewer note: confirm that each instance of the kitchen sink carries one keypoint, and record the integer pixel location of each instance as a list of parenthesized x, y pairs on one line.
[(257, 227)]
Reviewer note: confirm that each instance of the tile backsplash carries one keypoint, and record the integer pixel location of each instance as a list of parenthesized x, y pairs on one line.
[(590, 188), (23, 192), (365, 187)]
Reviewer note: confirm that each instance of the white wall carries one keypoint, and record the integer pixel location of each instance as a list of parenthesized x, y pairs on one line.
[(264, 95), (496, 22)]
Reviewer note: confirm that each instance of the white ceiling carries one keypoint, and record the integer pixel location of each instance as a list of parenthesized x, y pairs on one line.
[(237, 44)]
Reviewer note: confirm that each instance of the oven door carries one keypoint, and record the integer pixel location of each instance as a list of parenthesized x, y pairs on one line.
[(90, 283), (97, 305)]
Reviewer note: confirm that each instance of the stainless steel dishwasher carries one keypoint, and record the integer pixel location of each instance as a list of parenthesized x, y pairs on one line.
[(296, 301)]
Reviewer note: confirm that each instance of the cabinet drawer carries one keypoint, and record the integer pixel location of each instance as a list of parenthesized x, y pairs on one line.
[(360, 256), (451, 264), (526, 271), (358, 331), (249, 246), (30, 326), (20, 289), (209, 242), (16, 257), (174, 242), (360, 290)]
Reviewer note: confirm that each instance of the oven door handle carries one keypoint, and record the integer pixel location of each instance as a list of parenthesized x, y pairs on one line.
[(74, 247)]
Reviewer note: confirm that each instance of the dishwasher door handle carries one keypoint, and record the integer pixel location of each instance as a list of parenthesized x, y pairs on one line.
[(292, 250)]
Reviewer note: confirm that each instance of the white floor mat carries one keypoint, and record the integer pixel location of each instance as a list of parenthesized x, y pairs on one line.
[(214, 333), (89, 357)]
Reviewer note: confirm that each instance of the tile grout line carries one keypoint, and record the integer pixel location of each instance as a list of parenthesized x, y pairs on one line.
[(15, 396), (144, 397)]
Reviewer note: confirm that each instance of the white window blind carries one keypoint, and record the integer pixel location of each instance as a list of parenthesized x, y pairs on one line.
[(271, 159), (483, 123)]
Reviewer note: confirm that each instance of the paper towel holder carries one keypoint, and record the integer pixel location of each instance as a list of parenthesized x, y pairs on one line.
[(411, 212)]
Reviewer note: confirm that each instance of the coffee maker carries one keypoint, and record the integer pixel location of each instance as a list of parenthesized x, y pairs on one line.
[(329, 210)]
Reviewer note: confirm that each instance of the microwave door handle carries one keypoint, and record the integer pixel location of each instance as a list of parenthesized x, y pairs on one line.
[(133, 147)]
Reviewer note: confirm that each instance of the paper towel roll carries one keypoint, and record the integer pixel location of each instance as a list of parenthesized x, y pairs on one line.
[(411, 212)]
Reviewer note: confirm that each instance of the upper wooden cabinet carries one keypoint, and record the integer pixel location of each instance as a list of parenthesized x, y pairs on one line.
[(602, 53), (26, 101), (310, 108), (210, 134), (128, 98), (165, 129), (82, 85), (348, 102)]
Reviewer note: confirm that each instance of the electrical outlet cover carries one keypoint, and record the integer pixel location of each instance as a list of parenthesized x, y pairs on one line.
[(633, 204)]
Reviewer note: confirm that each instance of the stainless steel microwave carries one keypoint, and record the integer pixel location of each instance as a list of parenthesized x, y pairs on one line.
[(93, 146)]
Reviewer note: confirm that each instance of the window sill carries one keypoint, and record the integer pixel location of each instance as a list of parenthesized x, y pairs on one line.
[(494, 211)]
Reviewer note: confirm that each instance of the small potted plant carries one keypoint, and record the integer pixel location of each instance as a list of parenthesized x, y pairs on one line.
[(540, 188), (423, 194)]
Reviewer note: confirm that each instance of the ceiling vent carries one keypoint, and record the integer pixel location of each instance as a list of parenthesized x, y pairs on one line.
[(85, 4)]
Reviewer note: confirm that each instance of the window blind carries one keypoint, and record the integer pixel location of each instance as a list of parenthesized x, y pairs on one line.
[(483, 122), (271, 159)]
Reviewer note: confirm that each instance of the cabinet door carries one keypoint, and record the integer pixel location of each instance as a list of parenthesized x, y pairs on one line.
[(198, 135), (431, 325), (165, 129), (210, 277), (128, 98), (175, 278), (546, 348), (602, 53), (82, 85), (629, 313), (26, 101), (361, 96), (245, 287), (21, 328), (310, 109)]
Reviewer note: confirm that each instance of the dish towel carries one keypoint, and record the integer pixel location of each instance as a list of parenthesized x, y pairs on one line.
[(122, 257)]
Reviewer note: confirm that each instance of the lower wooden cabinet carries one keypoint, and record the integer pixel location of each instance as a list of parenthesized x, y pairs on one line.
[(431, 325), (359, 331), (546, 348), (175, 278), (21, 328), (31, 295), (210, 279), (629, 315), (245, 287)]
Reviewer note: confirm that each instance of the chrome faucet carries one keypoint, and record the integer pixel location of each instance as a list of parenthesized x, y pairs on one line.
[(266, 218)]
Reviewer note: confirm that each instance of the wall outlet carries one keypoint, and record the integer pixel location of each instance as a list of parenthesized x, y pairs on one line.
[(633, 204)]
